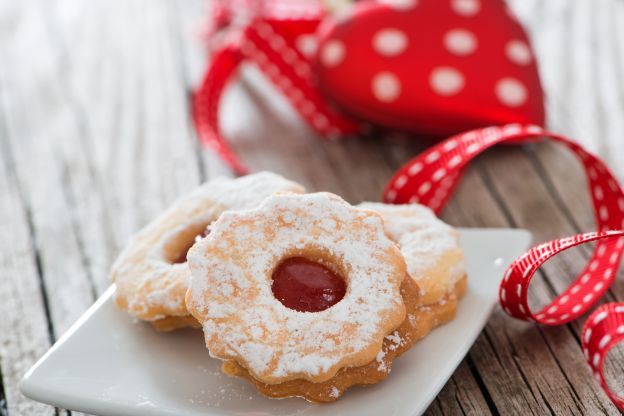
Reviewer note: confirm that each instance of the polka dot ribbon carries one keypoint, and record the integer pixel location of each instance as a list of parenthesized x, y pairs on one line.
[(268, 41), (429, 180)]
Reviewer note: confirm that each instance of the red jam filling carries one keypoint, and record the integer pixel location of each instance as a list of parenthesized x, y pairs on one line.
[(306, 286), (181, 257)]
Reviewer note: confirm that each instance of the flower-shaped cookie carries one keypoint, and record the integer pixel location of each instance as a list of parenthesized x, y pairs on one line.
[(231, 292)]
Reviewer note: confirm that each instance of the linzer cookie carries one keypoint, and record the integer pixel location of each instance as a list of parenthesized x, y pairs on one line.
[(304, 296), (434, 260), (151, 273)]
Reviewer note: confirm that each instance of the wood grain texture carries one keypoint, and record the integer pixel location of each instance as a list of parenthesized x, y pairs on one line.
[(96, 139)]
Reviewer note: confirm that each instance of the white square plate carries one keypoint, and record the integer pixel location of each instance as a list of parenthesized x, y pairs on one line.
[(109, 364)]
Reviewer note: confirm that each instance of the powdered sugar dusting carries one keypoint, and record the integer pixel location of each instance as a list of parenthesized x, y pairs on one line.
[(272, 341), (395, 339), (422, 237), (380, 359), (152, 286)]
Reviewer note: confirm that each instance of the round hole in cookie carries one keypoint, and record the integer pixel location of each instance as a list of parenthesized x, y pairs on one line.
[(177, 248), (306, 285)]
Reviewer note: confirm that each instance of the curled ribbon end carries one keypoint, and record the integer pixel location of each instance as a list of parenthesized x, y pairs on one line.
[(431, 176)]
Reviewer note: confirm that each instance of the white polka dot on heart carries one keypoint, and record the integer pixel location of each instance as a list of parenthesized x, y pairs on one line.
[(390, 42), (466, 8), (400, 5), (518, 52), (446, 81), (460, 42), (386, 86), (333, 53), (307, 44), (511, 92)]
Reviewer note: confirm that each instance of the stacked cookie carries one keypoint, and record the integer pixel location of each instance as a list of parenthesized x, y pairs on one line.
[(301, 294)]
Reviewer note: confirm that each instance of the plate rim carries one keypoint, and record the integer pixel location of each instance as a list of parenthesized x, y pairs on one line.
[(35, 392)]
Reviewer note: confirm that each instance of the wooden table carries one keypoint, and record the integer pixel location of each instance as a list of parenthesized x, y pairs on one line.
[(96, 139)]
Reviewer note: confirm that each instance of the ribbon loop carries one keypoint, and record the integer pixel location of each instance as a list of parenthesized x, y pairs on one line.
[(206, 100), (269, 40), (603, 330), (588, 287), (430, 178)]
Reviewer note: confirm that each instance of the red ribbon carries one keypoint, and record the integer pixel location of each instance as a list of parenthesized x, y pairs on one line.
[(268, 41), (429, 180)]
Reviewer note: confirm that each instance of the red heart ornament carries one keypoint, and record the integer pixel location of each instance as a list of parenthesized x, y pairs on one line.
[(430, 66)]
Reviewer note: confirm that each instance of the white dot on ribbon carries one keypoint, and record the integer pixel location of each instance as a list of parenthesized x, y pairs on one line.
[(613, 258), (390, 42), (460, 42), (588, 334), (432, 157), (455, 160), (424, 188), (400, 182), (604, 341), (602, 315), (386, 86), (592, 173), (307, 44), (414, 169), (592, 267), (511, 92), (400, 5), (466, 8), (576, 308), (277, 42), (320, 122), (333, 53), (518, 52), (391, 195), (601, 251), (598, 193), (450, 145), (438, 174), (507, 275), (446, 81)]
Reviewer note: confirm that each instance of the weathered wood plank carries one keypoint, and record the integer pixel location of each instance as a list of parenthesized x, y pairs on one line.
[(115, 106), (511, 390), (36, 124), (189, 21), (580, 50), (24, 331), (541, 214)]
